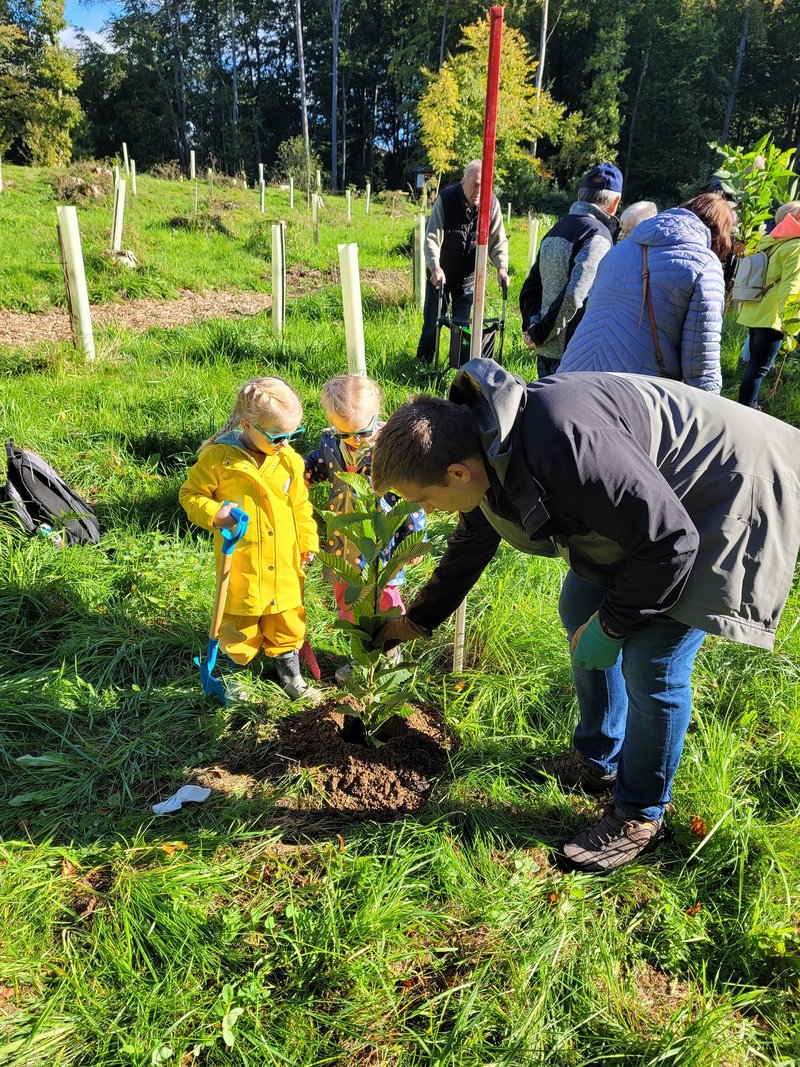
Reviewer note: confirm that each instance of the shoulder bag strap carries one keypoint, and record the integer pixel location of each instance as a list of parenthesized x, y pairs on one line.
[(647, 296)]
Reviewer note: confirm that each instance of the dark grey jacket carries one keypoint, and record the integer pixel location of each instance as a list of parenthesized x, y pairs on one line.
[(677, 501)]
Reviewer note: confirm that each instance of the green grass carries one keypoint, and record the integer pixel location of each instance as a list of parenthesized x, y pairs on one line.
[(445, 939)]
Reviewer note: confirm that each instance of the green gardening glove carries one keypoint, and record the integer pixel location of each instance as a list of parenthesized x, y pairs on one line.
[(595, 649)]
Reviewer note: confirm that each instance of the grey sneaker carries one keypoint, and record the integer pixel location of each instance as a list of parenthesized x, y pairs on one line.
[(571, 769), (291, 680), (611, 843)]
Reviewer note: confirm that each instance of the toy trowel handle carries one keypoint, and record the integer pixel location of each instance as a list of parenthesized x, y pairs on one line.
[(230, 538)]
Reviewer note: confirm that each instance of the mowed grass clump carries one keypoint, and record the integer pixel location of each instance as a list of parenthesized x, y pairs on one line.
[(254, 928)]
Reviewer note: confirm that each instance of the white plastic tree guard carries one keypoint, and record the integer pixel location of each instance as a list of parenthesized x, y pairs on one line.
[(319, 182), (125, 157), (260, 173), (315, 216), (509, 214), (533, 241), (133, 176), (349, 198), (291, 193), (369, 191), (118, 216), (419, 260), (115, 172), (69, 239), (1, 175), (192, 170), (261, 194), (278, 277), (353, 312)]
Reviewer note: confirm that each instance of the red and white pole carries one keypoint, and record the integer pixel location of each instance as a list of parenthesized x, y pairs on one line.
[(482, 250), (487, 174)]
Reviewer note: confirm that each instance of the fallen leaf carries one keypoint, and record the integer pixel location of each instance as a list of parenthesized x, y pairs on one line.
[(698, 826), (693, 910), (91, 904), (67, 869), (172, 847), (552, 898), (407, 983), (342, 845), (6, 991), (458, 686)]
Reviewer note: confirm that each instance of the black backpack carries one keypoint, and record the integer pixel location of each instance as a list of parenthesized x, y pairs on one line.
[(39, 500)]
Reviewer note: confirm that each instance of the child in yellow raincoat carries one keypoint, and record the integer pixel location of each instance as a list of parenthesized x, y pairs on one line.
[(250, 464)]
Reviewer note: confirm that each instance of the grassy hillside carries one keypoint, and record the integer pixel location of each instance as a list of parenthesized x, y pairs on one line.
[(256, 929)]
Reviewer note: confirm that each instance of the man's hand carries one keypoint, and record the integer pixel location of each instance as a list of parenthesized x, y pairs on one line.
[(592, 648), (528, 342), (437, 277), (395, 631), (503, 278)]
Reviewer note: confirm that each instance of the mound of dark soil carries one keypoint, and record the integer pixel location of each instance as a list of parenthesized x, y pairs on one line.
[(394, 779)]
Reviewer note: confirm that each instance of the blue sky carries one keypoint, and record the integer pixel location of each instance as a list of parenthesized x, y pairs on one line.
[(87, 15)]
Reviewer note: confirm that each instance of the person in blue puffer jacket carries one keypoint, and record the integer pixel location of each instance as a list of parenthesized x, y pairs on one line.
[(674, 330)]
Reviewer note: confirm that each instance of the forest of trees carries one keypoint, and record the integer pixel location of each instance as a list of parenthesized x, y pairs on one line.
[(648, 83)]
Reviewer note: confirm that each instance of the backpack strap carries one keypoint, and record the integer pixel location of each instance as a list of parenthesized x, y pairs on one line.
[(648, 297)]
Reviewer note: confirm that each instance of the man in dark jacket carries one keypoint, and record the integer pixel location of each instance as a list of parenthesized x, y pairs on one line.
[(678, 512), (556, 290), (450, 241)]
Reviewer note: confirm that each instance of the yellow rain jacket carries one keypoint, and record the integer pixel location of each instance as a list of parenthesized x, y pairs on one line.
[(266, 573), (783, 275)]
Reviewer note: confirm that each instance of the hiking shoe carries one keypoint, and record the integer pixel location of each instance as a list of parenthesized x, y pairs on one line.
[(572, 770), (611, 843), (291, 680)]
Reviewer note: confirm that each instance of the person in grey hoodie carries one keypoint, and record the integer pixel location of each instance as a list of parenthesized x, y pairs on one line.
[(554, 294), (657, 303)]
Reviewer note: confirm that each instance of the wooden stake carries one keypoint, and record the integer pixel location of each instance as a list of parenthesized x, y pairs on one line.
[(119, 215), (69, 239), (419, 260), (533, 241), (353, 312), (278, 277)]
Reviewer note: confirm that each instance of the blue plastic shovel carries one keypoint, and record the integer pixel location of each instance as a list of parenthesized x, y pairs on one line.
[(230, 538)]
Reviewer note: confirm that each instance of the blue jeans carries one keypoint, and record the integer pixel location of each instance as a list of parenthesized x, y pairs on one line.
[(764, 345), (461, 296), (634, 715)]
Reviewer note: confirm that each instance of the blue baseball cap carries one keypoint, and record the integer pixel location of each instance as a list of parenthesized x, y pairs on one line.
[(604, 176)]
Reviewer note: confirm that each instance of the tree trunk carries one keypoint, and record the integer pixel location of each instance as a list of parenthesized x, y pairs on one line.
[(298, 18), (443, 38), (336, 12), (234, 67), (635, 110), (540, 68), (737, 73)]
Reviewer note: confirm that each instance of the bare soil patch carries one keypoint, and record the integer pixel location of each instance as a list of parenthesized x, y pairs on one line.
[(19, 329)]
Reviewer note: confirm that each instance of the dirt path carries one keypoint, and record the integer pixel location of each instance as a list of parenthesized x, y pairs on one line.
[(18, 329)]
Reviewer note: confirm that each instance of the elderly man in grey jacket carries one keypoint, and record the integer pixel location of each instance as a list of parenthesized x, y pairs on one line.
[(554, 294), (678, 512)]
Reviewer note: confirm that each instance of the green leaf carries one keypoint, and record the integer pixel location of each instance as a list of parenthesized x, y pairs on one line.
[(340, 566)]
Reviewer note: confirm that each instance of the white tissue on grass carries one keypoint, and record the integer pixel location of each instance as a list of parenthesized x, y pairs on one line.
[(195, 793)]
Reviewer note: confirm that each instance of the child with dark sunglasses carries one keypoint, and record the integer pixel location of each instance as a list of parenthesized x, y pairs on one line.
[(250, 464), (352, 405)]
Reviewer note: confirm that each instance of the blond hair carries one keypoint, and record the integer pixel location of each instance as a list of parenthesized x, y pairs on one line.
[(791, 207), (271, 401), (346, 396)]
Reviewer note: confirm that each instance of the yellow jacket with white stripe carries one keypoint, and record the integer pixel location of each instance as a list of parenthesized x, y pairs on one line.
[(266, 571)]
